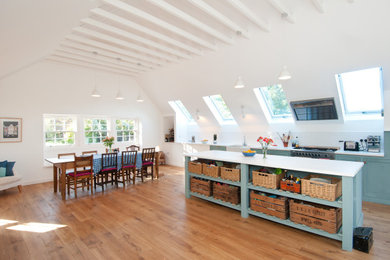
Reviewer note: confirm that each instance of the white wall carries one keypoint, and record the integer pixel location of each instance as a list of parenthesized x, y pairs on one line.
[(53, 88)]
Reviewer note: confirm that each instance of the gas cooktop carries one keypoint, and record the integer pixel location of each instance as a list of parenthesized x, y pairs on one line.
[(316, 148)]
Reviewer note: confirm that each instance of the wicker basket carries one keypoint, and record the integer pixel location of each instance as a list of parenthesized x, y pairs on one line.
[(201, 186), (267, 180), (195, 167), (230, 174), (322, 190), (211, 170)]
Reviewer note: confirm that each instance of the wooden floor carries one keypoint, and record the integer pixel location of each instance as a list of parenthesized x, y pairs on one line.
[(153, 220)]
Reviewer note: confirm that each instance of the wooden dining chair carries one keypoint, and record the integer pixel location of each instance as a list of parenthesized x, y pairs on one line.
[(148, 159), (128, 166), (109, 170), (133, 148), (89, 152), (69, 166), (82, 174)]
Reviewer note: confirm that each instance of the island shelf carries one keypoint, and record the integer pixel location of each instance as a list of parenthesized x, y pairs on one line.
[(350, 202)]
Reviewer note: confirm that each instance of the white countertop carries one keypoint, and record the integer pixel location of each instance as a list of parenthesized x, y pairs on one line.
[(328, 167), (281, 148)]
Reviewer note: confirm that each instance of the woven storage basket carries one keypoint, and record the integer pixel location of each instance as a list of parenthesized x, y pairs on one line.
[(195, 167), (322, 190), (267, 180), (211, 170), (230, 174)]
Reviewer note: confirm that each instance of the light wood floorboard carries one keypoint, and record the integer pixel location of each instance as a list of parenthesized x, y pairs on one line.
[(154, 220)]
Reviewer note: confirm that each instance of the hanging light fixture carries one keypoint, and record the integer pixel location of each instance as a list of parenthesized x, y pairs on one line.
[(284, 74), (239, 83), (139, 98), (119, 94), (95, 93)]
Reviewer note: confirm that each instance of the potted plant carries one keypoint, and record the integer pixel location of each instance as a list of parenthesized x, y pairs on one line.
[(265, 142)]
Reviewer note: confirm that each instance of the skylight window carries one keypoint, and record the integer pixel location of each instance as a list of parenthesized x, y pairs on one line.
[(274, 103), (361, 91), (179, 108), (219, 109)]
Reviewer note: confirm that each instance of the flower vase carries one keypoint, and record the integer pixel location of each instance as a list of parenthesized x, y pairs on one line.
[(264, 153), (109, 149)]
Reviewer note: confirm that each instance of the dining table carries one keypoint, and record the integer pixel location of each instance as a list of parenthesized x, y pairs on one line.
[(64, 164)]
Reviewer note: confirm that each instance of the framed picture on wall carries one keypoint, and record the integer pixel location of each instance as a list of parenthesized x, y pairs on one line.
[(10, 130)]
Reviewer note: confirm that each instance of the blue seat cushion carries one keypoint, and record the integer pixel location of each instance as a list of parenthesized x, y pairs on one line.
[(10, 167)]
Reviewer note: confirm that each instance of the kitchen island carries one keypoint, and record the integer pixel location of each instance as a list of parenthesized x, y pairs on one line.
[(349, 172)]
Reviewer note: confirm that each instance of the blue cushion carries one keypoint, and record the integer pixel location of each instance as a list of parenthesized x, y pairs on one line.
[(2, 171), (3, 164), (10, 166)]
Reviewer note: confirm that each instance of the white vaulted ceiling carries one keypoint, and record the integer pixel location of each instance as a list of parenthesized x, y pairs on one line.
[(131, 36)]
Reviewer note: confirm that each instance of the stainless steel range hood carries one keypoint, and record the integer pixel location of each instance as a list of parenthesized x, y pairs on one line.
[(315, 109)]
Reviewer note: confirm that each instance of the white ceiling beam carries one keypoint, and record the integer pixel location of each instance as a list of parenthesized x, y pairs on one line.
[(87, 65), (191, 20), (126, 44), (115, 18), (141, 58), (134, 37), (219, 16), (319, 4), (167, 26), (109, 54), (104, 64), (99, 57), (283, 10), (245, 11)]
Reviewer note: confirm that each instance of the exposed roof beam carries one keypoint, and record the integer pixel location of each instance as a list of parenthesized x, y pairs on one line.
[(141, 58), (109, 54), (126, 44), (79, 58), (191, 20), (86, 64), (285, 12), (249, 14), (134, 37), (319, 4), (143, 29), (109, 61), (137, 12), (218, 16)]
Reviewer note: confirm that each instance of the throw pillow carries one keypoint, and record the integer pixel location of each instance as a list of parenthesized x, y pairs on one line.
[(2, 172), (3, 164), (10, 166)]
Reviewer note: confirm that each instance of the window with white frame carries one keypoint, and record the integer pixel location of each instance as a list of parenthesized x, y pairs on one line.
[(219, 109), (125, 130), (59, 130), (95, 130), (179, 108), (361, 91), (273, 102)]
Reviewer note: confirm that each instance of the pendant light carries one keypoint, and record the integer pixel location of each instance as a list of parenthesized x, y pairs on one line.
[(239, 83), (95, 93), (139, 98), (284, 74), (119, 94)]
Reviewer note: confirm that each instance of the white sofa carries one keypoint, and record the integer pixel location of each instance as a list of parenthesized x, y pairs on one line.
[(10, 182)]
